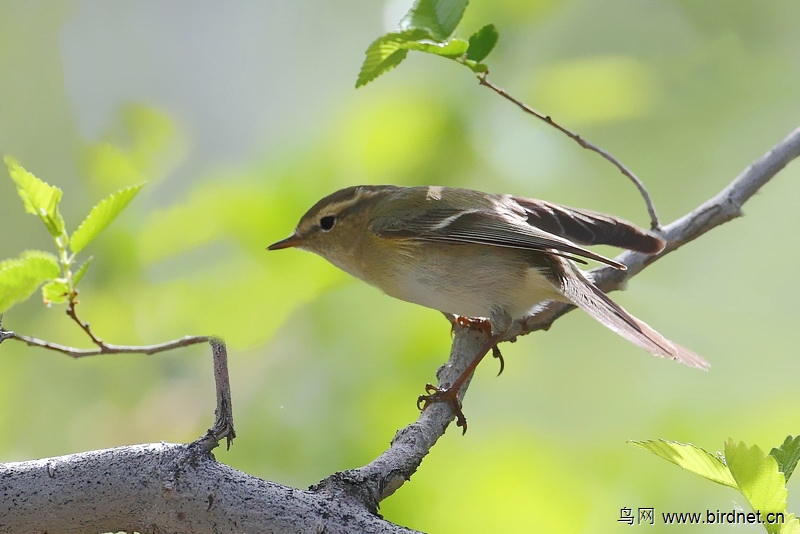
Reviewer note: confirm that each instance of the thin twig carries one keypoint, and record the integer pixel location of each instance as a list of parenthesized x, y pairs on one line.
[(651, 209), (84, 326), (108, 348), (223, 415)]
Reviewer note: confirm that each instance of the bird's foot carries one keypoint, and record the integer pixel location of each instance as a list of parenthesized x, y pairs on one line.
[(497, 354), (484, 325), (448, 395)]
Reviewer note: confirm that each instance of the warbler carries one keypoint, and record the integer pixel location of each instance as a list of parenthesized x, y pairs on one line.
[(477, 255)]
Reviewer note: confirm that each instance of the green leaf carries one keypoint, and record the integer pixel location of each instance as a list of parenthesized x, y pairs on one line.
[(19, 277), (482, 42), (451, 49), (758, 478), (38, 197), (474, 66), (101, 216), (55, 292), (691, 458), (389, 50), (787, 455), (386, 52), (439, 17), (81, 271), (790, 526)]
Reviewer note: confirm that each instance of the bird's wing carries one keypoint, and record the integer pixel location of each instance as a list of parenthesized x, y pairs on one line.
[(588, 227), (483, 226)]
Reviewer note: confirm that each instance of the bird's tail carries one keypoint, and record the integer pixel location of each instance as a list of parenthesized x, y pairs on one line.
[(589, 298)]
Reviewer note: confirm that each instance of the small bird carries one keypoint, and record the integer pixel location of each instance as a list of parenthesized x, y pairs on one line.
[(477, 255)]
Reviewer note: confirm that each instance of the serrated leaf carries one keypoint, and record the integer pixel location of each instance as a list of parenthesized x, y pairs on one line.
[(787, 455), (482, 42), (439, 17), (691, 458), (55, 292), (101, 216), (791, 525), (758, 478), (19, 277), (386, 52), (39, 198), (81, 271)]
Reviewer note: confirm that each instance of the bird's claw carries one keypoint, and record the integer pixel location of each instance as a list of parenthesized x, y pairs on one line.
[(448, 395), (497, 354)]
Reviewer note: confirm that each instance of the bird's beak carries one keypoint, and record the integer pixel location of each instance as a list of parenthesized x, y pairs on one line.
[(292, 241)]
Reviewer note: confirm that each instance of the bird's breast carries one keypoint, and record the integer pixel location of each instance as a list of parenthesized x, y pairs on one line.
[(469, 280)]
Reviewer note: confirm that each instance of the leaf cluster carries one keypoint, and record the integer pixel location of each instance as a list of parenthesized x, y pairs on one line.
[(428, 27), (55, 273), (761, 478)]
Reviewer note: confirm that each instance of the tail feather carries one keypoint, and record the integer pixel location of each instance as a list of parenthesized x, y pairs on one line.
[(589, 298)]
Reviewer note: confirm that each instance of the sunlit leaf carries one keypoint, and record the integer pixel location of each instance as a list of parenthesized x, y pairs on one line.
[(38, 197), (81, 271), (19, 277), (101, 216), (790, 526), (451, 49), (386, 52), (757, 475), (55, 292), (691, 458), (439, 17), (787, 455)]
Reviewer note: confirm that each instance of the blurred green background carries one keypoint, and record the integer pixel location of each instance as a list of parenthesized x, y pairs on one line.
[(241, 115)]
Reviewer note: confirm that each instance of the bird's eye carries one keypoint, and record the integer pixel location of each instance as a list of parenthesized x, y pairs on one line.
[(327, 222)]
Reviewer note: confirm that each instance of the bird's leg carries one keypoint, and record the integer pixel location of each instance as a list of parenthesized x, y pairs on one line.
[(450, 394), (486, 327)]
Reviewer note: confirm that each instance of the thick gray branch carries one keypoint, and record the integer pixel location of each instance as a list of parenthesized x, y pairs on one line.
[(158, 488)]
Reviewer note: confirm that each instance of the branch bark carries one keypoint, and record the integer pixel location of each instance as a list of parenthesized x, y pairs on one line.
[(163, 487)]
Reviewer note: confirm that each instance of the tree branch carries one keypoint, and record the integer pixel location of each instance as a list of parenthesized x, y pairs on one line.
[(163, 487), (223, 420)]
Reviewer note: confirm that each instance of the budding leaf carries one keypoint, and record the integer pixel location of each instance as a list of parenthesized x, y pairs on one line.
[(101, 216), (19, 277), (39, 198)]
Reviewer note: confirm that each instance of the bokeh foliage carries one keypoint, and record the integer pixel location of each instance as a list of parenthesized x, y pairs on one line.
[(324, 369)]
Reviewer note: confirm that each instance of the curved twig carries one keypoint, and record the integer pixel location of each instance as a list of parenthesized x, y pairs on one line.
[(651, 209), (223, 420)]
